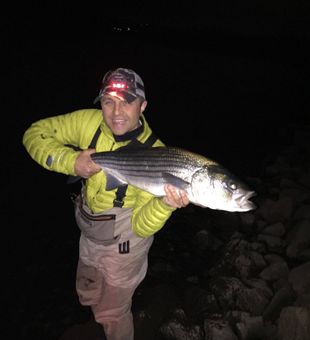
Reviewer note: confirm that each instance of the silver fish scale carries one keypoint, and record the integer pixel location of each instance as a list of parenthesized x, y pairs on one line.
[(150, 162)]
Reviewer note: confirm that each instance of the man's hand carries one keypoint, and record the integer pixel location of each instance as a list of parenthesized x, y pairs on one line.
[(174, 197), (84, 166)]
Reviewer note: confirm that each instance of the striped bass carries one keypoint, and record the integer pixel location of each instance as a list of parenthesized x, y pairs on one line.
[(206, 182)]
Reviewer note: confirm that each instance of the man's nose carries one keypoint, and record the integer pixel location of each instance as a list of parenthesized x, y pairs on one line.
[(117, 108)]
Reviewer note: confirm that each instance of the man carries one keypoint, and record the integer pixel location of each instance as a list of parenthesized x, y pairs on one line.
[(117, 226)]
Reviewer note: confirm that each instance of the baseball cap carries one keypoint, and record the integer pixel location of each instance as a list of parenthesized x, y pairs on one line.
[(123, 83)]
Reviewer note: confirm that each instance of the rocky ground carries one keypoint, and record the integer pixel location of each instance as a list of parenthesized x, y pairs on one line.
[(212, 274)]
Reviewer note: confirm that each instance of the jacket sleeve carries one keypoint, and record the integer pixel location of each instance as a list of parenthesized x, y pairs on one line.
[(47, 140), (150, 214)]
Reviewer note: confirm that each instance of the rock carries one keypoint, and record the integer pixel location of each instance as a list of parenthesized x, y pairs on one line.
[(251, 300), (250, 327), (248, 219), (276, 229), (299, 278), (298, 239), (273, 243), (205, 240), (276, 210), (259, 247), (218, 330), (225, 290), (282, 298), (294, 323), (257, 259), (261, 286), (302, 212), (271, 258), (275, 271), (243, 265), (199, 302), (178, 327)]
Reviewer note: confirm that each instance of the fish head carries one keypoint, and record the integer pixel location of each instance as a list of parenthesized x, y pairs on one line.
[(214, 187)]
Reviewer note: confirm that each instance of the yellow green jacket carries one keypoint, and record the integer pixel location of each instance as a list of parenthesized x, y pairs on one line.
[(46, 139)]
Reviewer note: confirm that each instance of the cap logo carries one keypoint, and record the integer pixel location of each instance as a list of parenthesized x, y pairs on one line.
[(119, 86)]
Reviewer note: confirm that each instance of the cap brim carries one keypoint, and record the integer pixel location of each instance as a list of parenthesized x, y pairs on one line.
[(123, 95), (97, 99)]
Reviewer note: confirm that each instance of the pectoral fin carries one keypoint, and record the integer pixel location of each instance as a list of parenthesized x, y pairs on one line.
[(113, 182), (175, 181)]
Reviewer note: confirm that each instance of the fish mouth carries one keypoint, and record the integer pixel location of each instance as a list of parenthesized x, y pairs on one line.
[(243, 201)]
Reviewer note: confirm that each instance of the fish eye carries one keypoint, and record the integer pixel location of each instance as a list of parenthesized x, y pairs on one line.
[(231, 185)]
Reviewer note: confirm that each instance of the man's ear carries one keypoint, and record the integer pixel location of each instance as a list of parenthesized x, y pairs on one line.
[(143, 106)]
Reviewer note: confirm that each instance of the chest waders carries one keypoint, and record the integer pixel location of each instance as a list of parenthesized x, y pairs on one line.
[(112, 258), (111, 226)]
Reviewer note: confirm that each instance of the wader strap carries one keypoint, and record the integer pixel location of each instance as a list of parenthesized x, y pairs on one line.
[(120, 194), (151, 140), (93, 142), (121, 191), (92, 145)]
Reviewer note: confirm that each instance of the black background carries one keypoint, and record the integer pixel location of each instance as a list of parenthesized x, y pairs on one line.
[(228, 81)]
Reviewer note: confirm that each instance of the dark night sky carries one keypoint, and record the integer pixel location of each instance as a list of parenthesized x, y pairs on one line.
[(222, 74), (221, 80)]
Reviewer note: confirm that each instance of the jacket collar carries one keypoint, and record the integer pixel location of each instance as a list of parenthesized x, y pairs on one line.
[(141, 133)]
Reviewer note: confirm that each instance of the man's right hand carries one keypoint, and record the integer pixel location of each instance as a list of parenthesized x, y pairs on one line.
[(84, 166)]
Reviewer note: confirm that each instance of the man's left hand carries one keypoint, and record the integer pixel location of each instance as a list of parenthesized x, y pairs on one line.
[(175, 197)]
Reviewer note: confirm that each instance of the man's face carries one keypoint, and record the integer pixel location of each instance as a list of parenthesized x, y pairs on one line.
[(121, 116)]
